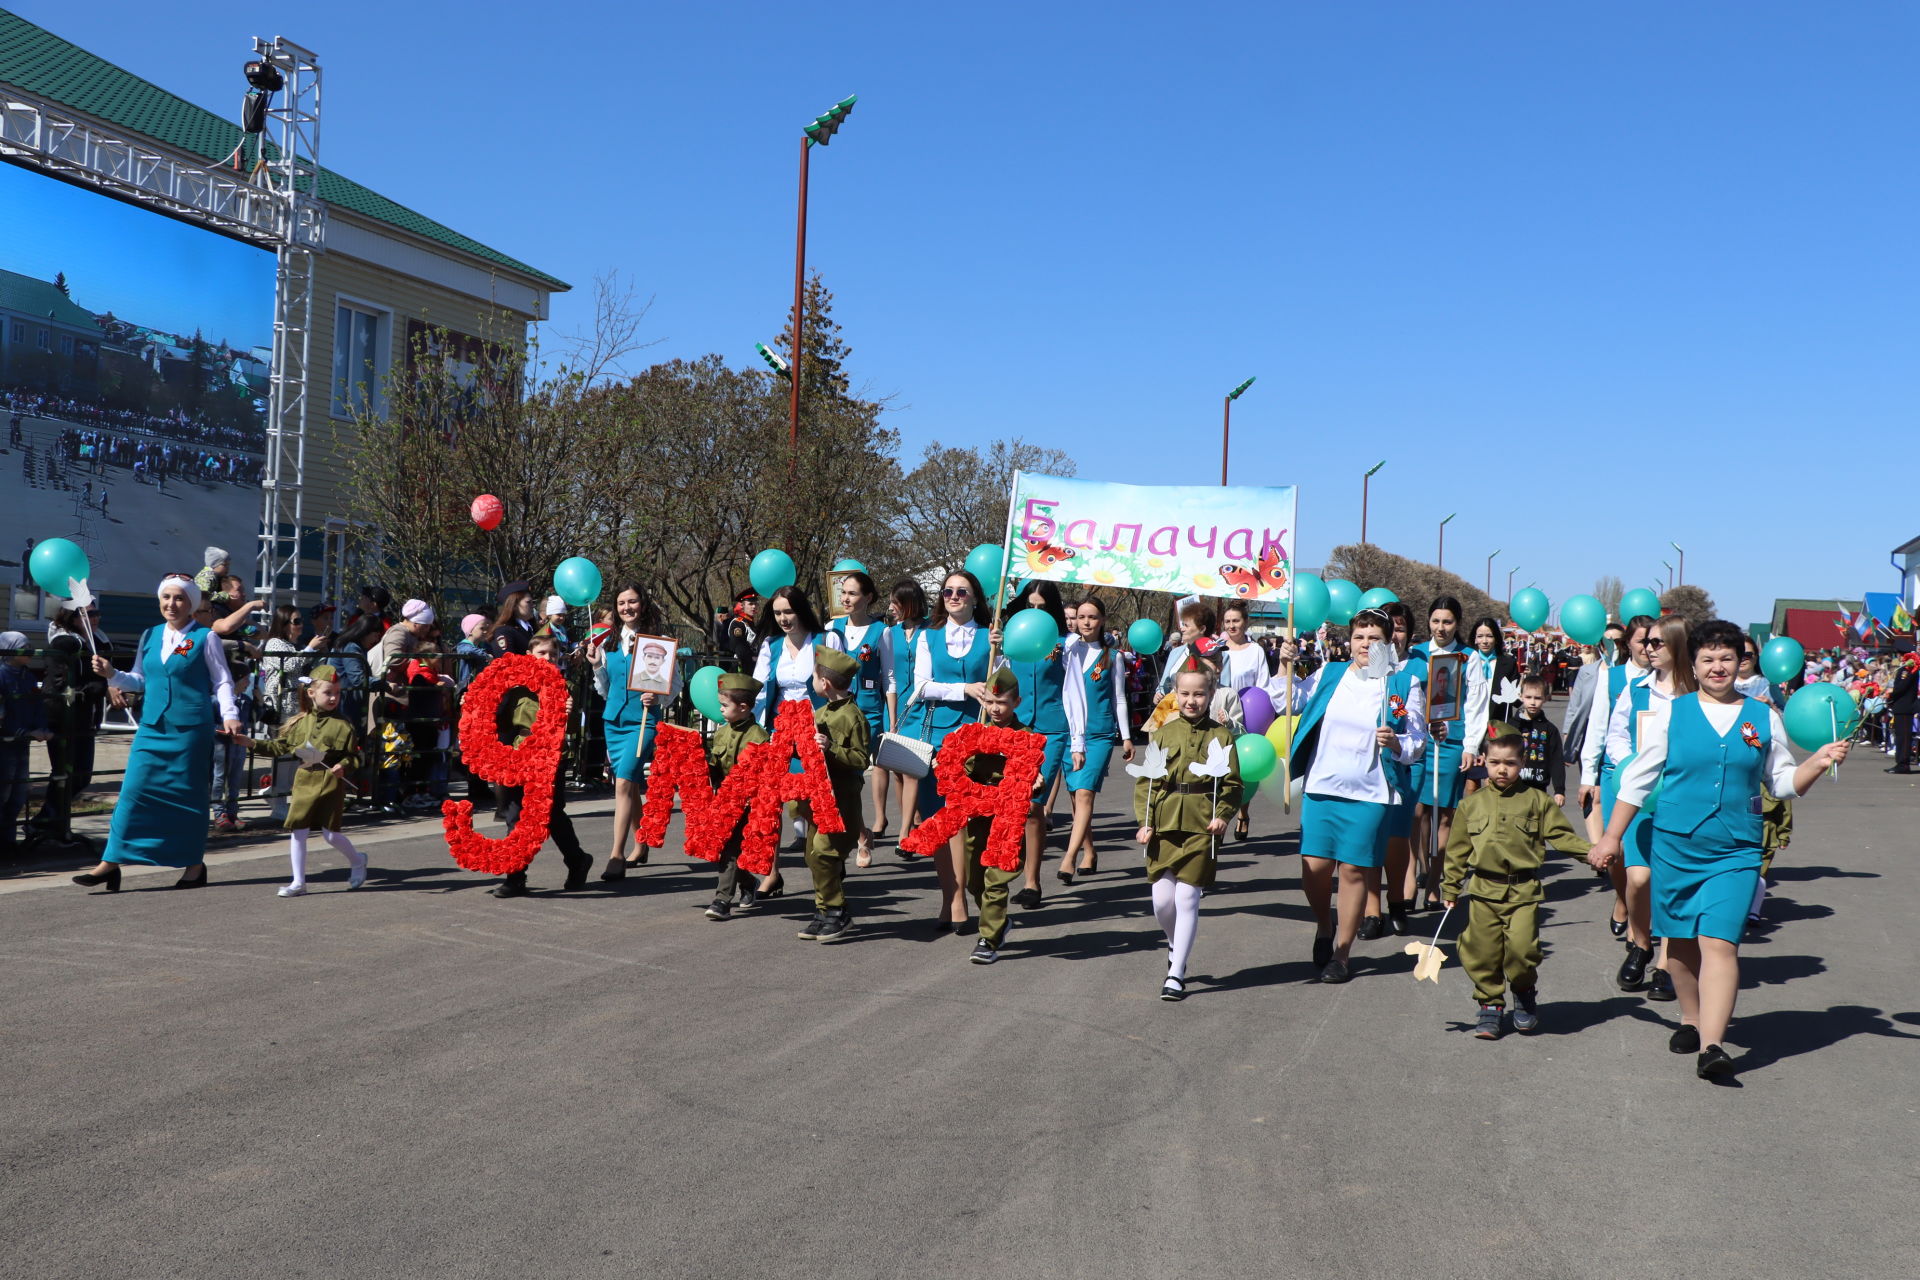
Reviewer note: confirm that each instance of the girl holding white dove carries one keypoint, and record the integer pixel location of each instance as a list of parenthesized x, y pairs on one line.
[(328, 747)]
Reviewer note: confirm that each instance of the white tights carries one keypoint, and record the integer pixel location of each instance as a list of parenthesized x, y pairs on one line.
[(1176, 906), (338, 839)]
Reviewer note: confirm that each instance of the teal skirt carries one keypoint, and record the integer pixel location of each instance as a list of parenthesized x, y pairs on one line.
[(1093, 772), (628, 751), (1349, 831), (160, 818), (1701, 888), (1451, 781)]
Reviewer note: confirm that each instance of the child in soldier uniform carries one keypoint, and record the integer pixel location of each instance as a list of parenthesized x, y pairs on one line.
[(990, 885), (1500, 837), (328, 745), (518, 711), (841, 732), (737, 731), (1182, 816)]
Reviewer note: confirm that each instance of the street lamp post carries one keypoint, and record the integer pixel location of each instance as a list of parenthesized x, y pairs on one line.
[(1364, 480), (821, 131), (1226, 426), (1510, 574), (1443, 540), (1669, 568), (1490, 573), (1683, 561)]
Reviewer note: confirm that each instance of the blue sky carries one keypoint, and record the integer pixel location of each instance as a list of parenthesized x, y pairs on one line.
[(1598, 278), (149, 270)]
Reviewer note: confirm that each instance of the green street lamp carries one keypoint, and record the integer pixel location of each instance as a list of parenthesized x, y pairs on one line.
[(774, 362), (1669, 568), (1363, 499), (1443, 539), (1683, 562), (1490, 573), (820, 132), (1226, 426)]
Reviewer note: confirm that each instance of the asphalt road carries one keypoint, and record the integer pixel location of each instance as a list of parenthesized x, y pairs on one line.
[(420, 1080)]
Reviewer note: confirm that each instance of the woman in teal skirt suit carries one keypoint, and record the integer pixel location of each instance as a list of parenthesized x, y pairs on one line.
[(1707, 754), (160, 818), (950, 669), (630, 720)]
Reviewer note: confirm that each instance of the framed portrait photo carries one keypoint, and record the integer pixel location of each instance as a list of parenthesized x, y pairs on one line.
[(651, 667), (1445, 681)]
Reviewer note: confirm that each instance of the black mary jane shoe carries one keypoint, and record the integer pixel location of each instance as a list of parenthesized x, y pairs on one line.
[(1618, 928), (1322, 950), (1173, 989), (110, 878), (1397, 919), (1714, 1063), (1371, 927), (1684, 1040), (1336, 971), (191, 881)]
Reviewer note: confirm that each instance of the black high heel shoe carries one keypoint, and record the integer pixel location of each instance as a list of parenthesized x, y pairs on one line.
[(191, 881), (778, 887), (110, 878)]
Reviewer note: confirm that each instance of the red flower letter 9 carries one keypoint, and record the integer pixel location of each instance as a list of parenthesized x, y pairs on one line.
[(532, 765), (1006, 802)]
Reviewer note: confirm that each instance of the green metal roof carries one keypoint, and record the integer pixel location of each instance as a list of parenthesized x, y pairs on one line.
[(24, 295), (38, 61)]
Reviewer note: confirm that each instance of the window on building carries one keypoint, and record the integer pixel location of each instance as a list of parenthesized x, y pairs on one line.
[(46, 340), (360, 343), (19, 332), (66, 345)]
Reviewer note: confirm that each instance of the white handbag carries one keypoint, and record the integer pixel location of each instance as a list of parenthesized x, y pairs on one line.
[(898, 753)]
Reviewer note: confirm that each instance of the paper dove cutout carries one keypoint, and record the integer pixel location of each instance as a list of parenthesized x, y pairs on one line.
[(1379, 662), (1218, 763), (78, 595), (1427, 968), (1153, 762), (1509, 691), (310, 754)]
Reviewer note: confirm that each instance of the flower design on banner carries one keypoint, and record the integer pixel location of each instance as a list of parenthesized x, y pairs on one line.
[(1005, 802), (533, 765)]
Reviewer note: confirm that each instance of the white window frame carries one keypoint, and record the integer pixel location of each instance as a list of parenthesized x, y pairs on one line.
[(338, 405)]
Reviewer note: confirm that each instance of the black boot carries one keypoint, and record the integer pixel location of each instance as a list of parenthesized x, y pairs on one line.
[(514, 886)]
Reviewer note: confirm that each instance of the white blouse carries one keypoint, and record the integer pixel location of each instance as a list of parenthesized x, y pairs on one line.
[(959, 639), (1077, 656), (212, 652), (1598, 719), (1242, 668), (1346, 762), (793, 674), (1620, 723), (1638, 778)]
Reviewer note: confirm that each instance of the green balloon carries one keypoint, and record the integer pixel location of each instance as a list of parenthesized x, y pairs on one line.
[(704, 689), (1819, 714), (1639, 602), (1584, 619), (1529, 609), (1312, 602), (1258, 759), (1343, 601)]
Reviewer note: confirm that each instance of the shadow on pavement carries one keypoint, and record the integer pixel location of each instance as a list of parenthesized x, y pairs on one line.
[(1787, 1033)]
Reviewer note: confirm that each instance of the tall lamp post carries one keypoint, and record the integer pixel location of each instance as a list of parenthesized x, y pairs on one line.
[(821, 131), (1364, 480), (1683, 562), (1226, 426), (1490, 573), (1510, 574), (1669, 568), (1443, 539)]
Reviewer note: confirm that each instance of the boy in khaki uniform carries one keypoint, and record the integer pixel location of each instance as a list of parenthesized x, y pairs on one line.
[(990, 885), (737, 731), (841, 731), (1500, 837)]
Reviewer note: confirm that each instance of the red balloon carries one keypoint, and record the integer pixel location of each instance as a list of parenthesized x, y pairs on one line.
[(488, 511)]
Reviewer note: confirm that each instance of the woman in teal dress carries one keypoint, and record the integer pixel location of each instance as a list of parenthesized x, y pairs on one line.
[(909, 609), (630, 719), (950, 672), (863, 637), (1438, 775), (1707, 754), (180, 670), (1043, 708)]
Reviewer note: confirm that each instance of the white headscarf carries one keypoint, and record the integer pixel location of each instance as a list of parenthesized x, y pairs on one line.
[(185, 584)]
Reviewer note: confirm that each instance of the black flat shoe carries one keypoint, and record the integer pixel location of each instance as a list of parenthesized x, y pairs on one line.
[(1397, 919), (1322, 951), (1336, 971), (1618, 928), (1713, 1064), (191, 881), (1370, 928), (774, 890), (1685, 1040), (110, 878), (616, 869), (1660, 985), (1633, 970), (1172, 989)]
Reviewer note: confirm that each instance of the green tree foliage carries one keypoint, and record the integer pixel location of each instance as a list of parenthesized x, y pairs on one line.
[(960, 499), (1415, 582), (1690, 602)]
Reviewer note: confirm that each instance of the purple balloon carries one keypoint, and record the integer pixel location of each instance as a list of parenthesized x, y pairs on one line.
[(1256, 708)]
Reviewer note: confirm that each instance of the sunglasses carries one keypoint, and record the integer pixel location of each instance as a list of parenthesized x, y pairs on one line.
[(956, 592), (1651, 643)]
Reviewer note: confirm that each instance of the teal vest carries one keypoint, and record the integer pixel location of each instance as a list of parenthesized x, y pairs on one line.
[(178, 693), (1097, 682), (1043, 687), (623, 705), (1306, 735), (1711, 784), (970, 668), (869, 683)]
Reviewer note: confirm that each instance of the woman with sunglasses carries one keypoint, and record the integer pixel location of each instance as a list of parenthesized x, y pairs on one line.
[(1671, 657), (950, 662)]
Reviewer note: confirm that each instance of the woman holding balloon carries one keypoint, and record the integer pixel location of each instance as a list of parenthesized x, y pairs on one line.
[(950, 668), (1243, 669), (1035, 649), (629, 720), (1707, 753), (909, 609), (1097, 719)]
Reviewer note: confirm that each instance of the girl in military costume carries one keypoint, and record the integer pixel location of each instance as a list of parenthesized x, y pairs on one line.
[(1183, 815), (328, 746)]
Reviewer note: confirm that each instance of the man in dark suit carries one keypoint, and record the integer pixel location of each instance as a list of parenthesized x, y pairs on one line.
[(1903, 701)]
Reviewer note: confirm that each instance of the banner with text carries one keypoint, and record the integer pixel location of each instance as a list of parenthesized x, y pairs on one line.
[(1186, 539)]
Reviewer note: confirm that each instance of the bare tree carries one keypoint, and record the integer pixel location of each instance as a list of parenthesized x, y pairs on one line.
[(1413, 581), (960, 496), (1608, 590)]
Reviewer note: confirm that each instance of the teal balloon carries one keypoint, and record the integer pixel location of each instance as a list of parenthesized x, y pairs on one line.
[(704, 689), (1584, 619), (988, 562), (577, 580), (53, 561), (1248, 790), (1652, 801), (1343, 601), (849, 565), (1311, 604), (1377, 597), (1782, 659), (1145, 636), (1638, 602), (1258, 759), (1030, 635), (771, 570), (1819, 714), (1529, 609)]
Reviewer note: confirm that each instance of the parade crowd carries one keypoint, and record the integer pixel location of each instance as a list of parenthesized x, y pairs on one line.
[(1428, 773)]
